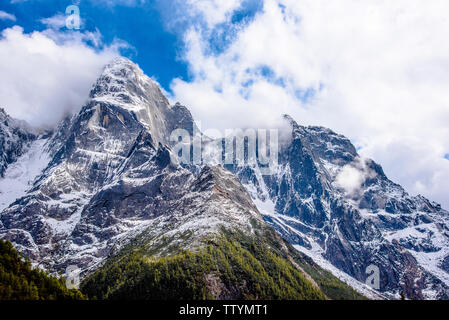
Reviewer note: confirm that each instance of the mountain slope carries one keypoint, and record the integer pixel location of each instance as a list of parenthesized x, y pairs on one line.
[(15, 137), (107, 176), (112, 179), (91, 152), (312, 200), (18, 144), (18, 281), (229, 266)]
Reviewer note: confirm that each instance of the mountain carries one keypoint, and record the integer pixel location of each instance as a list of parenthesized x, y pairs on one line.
[(115, 144), (342, 210), (111, 188), (19, 281), (15, 136), (106, 191)]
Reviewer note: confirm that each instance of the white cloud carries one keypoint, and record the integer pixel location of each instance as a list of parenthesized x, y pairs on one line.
[(213, 11), (414, 163), (56, 22), (379, 70), (352, 177), (180, 15), (48, 74), (113, 3), (7, 16)]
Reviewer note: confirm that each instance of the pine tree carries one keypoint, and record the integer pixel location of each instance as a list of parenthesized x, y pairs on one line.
[(19, 281)]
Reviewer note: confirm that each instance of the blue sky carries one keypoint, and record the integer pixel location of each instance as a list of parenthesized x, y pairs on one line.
[(153, 47), (153, 29)]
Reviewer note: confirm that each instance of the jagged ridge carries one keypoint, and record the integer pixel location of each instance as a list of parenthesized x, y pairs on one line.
[(110, 176)]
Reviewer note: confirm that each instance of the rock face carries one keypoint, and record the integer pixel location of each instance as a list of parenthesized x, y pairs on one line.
[(312, 202), (111, 175), (108, 174), (15, 137)]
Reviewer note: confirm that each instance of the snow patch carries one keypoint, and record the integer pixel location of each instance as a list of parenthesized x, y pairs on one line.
[(20, 175), (316, 255)]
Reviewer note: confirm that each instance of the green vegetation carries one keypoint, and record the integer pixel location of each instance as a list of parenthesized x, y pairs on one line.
[(232, 266), (223, 269), (19, 281), (331, 286)]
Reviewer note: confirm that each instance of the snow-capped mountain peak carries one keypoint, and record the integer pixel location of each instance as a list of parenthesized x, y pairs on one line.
[(108, 175), (340, 208)]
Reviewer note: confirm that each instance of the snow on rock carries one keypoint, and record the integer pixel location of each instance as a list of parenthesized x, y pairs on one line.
[(112, 176), (324, 195), (20, 175)]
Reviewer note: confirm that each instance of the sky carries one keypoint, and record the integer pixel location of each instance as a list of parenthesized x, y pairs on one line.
[(376, 71)]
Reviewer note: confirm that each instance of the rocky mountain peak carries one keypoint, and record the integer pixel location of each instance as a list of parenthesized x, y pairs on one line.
[(3, 113), (125, 89), (111, 177), (124, 82)]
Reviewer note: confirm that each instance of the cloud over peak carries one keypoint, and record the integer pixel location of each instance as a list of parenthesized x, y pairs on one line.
[(48, 74), (375, 71)]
